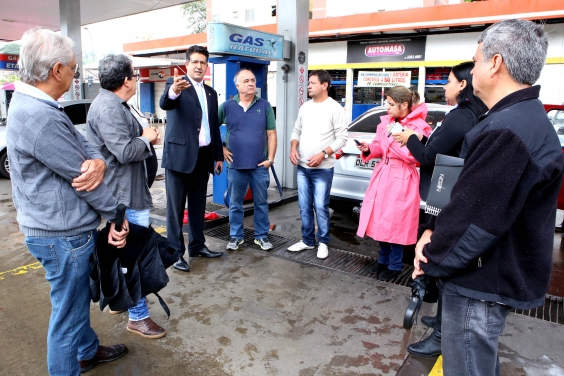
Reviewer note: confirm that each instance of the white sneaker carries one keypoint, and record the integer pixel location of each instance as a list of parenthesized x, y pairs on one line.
[(322, 251), (299, 246)]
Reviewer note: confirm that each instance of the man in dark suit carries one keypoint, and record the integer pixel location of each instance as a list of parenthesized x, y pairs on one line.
[(192, 144)]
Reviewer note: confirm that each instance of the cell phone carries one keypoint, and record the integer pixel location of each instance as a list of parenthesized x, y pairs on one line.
[(395, 128), (357, 142)]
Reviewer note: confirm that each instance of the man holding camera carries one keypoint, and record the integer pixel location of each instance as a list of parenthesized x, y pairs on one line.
[(492, 243), (249, 151)]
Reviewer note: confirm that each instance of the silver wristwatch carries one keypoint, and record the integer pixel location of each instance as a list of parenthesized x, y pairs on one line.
[(325, 154)]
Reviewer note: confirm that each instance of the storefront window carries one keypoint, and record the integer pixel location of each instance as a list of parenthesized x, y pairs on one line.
[(337, 91)]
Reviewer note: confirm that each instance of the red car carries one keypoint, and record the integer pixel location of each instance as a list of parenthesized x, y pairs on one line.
[(556, 115)]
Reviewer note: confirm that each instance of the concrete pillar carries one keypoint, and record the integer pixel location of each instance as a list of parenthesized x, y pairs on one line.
[(421, 83), (349, 91), (69, 11), (291, 88)]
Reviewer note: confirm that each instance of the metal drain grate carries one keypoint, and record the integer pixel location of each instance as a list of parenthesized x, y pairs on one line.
[(222, 232), (552, 310), (344, 261), (340, 260)]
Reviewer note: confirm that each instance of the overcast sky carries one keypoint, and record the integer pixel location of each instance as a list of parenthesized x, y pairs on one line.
[(109, 36)]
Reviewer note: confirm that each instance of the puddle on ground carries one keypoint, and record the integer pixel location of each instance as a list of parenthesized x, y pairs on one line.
[(282, 227)]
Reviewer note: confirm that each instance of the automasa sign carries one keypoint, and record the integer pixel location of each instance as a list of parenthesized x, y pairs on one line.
[(399, 49)]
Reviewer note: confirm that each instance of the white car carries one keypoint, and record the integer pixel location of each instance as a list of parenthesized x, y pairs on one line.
[(351, 176), (77, 112)]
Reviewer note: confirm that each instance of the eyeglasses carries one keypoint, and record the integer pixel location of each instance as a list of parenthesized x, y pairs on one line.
[(138, 75), (198, 62)]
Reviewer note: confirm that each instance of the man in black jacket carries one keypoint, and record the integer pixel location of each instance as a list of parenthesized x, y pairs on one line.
[(192, 144), (492, 244)]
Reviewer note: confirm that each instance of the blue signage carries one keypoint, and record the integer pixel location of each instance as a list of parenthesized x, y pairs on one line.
[(230, 39), (9, 65)]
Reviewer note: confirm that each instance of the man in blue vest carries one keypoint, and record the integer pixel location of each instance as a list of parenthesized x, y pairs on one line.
[(249, 150)]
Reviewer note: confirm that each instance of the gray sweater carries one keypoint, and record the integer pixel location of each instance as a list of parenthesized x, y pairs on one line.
[(46, 154), (116, 134)]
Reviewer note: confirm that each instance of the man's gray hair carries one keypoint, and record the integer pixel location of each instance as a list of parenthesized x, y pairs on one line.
[(236, 78), (40, 50), (522, 44)]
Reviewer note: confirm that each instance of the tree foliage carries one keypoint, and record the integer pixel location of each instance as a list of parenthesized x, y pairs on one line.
[(195, 13), (10, 48)]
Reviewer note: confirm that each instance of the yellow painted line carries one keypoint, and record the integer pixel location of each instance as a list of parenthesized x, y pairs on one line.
[(160, 230), (438, 367), (21, 270)]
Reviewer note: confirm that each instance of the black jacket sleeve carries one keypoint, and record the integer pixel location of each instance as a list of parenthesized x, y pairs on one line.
[(490, 193), (446, 139)]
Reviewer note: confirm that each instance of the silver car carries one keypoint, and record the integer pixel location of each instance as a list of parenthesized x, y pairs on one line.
[(77, 112), (351, 175)]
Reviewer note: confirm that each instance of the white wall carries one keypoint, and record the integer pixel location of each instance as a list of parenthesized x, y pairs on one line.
[(233, 11), (451, 46), (159, 89), (327, 53)]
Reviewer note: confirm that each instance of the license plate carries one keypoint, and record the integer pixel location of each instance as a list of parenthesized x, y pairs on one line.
[(370, 164)]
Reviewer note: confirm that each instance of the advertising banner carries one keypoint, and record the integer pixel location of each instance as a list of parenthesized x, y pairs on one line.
[(160, 74), (230, 39), (384, 79), (9, 62), (381, 50)]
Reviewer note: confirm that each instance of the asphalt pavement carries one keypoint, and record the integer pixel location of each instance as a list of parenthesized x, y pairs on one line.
[(251, 312)]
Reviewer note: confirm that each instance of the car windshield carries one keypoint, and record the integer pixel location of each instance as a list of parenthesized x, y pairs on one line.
[(368, 123)]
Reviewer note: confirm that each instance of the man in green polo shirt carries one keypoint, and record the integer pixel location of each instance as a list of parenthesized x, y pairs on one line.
[(249, 152)]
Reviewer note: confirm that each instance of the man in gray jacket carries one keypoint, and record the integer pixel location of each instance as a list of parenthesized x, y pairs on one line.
[(125, 145), (57, 192)]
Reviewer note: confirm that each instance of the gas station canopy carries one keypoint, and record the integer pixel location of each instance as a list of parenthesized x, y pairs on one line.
[(17, 16)]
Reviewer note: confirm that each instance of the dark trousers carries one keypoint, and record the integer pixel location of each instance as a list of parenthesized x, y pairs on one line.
[(470, 333), (192, 187)]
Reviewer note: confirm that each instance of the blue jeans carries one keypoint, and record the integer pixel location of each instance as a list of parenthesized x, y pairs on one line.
[(238, 180), (141, 218), (314, 186), (469, 334), (391, 255), (66, 262)]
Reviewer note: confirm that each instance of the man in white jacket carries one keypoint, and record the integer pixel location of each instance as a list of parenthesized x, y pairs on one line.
[(322, 127)]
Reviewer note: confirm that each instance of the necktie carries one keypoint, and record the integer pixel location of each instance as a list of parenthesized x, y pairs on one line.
[(204, 137)]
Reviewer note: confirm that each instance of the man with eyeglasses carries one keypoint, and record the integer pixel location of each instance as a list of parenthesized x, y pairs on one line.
[(192, 148), (115, 132), (59, 196)]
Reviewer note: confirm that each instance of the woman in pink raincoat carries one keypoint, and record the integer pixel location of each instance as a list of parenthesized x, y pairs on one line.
[(390, 210)]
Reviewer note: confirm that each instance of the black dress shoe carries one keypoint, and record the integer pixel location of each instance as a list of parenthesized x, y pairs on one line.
[(181, 265), (429, 347), (378, 268), (429, 321), (205, 252), (104, 354)]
